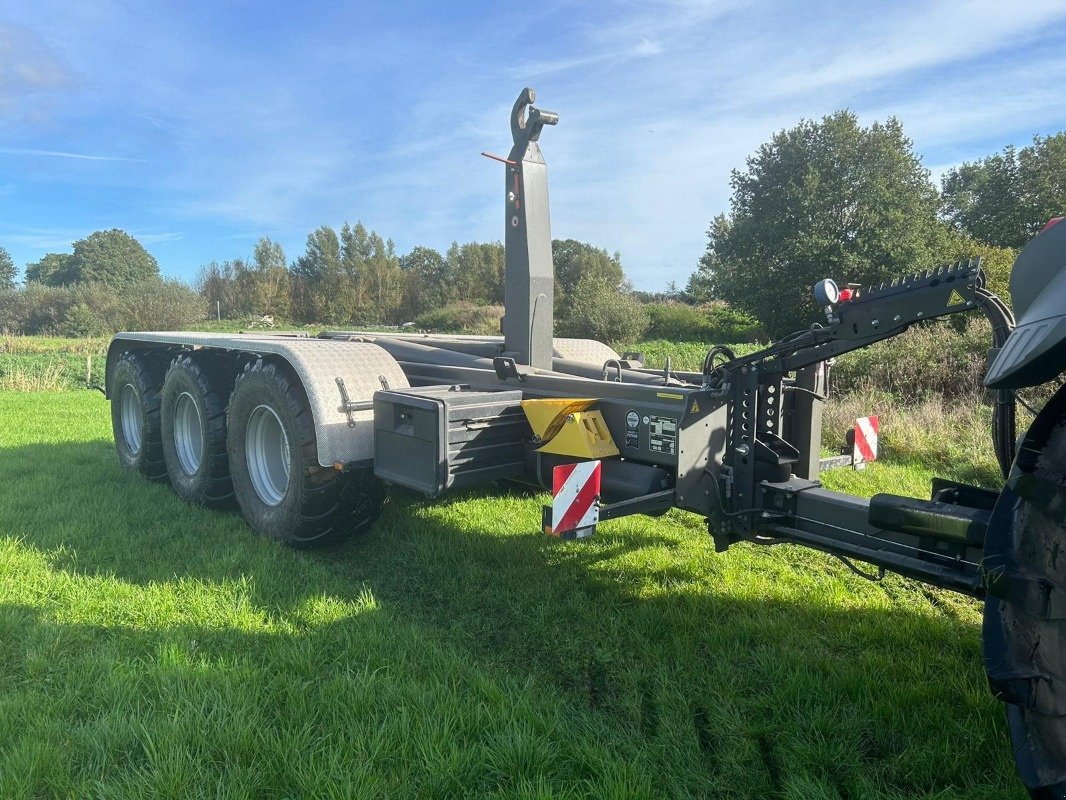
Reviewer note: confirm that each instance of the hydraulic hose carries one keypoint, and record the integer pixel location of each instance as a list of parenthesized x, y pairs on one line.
[(1004, 423)]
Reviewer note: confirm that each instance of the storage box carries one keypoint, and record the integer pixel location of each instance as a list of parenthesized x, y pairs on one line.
[(434, 438)]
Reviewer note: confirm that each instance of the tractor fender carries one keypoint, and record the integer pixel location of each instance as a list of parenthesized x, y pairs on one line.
[(365, 368), (1035, 351)]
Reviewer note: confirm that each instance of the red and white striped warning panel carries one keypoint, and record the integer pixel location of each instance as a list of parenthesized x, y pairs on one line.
[(865, 448), (575, 507)]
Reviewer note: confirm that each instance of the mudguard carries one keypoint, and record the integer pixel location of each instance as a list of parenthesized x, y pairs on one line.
[(586, 350), (1036, 351), (365, 368)]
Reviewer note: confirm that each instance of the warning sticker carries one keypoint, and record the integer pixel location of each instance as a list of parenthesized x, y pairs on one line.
[(662, 435)]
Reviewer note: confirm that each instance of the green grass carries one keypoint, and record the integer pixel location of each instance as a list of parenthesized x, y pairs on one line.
[(49, 363), (153, 650), (684, 356)]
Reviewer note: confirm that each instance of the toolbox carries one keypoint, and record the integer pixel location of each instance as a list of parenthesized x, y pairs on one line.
[(435, 438)]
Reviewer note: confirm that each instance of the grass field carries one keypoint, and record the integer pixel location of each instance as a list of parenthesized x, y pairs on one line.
[(153, 650)]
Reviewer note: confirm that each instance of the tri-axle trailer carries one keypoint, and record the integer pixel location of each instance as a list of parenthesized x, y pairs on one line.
[(307, 434)]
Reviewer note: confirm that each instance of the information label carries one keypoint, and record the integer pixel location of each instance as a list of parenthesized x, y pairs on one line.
[(662, 436)]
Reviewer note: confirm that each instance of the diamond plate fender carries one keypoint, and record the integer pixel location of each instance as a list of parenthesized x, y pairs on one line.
[(318, 363)]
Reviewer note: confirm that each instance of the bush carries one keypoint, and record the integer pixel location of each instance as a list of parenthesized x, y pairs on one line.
[(599, 312), (462, 318), (34, 309), (98, 310), (711, 323), (931, 359)]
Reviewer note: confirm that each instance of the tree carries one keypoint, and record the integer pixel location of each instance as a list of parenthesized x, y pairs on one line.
[(428, 284), (53, 269), (823, 199), (477, 271), (996, 262), (604, 313), (112, 257), (576, 261), (8, 271), (701, 287), (268, 279), (321, 258), (318, 275), (384, 281), (227, 284), (356, 252), (1004, 199)]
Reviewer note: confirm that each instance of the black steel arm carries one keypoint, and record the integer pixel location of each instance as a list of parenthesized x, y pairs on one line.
[(878, 313)]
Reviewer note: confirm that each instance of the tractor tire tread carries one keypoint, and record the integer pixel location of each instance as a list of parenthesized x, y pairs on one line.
[(332, 505)]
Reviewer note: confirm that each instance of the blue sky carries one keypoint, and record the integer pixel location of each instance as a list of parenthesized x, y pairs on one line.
[(200, 126)]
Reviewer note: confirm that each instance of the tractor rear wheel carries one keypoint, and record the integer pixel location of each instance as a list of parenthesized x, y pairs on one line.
[(135, 414), (1025, 612), (194, 432), (283, 492)]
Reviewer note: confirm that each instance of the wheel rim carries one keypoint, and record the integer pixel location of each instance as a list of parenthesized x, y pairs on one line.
[(188, 433), (132, 418), (267, 451)]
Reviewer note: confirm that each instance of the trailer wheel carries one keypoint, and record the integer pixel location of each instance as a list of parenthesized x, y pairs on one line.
[(194, 432), (1024, 628), (283, 492), (135, 414)]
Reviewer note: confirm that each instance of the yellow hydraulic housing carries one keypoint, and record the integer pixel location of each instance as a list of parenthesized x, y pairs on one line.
[(569, 427)]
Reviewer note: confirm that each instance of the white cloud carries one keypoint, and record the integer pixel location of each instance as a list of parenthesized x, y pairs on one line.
[(881, 46), (26, 151), (646, 47), (28, 65)]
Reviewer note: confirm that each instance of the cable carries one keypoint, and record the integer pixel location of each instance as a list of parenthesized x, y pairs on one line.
[(1004, 421), (815, 395), (721, 505), (870, 576)]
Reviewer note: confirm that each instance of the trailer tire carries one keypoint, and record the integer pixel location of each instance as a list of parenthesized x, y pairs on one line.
[(282, 490), (194, 432), (1025, 647), (135, 414)]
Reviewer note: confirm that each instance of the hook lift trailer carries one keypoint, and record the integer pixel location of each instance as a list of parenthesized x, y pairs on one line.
[(306, 434)]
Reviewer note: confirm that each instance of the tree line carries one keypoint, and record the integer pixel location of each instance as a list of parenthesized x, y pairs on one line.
[(825, 198), (351, 276), (354, 276)]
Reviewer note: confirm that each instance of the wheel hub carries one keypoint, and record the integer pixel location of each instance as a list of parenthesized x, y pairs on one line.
[(132, 418), (267, 453), (188, 433)]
